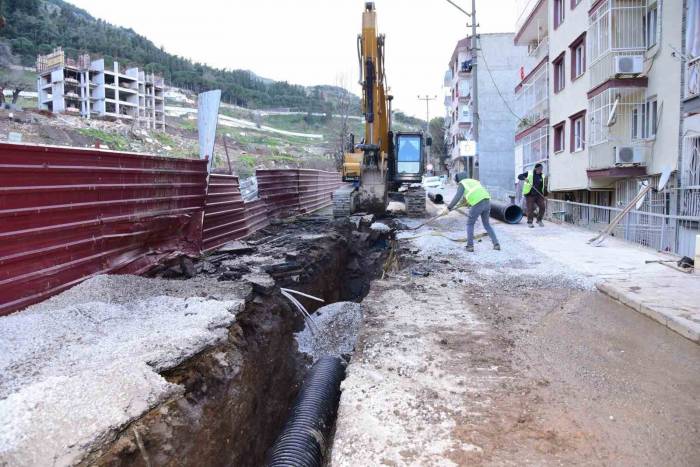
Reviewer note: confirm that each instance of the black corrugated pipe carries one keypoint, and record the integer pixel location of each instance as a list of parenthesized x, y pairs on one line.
[(305, 437), (506, 212), (436, 198)]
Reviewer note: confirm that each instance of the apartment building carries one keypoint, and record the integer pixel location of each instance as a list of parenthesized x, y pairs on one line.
[(89, 88), (491, 157), (602, 111), (689, 181), (612, 74)]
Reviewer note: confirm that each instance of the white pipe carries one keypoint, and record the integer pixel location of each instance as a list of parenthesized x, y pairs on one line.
[(303, 311), (303, 294)]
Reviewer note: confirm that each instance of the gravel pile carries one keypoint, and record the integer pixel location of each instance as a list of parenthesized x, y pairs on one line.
[(335, 333)]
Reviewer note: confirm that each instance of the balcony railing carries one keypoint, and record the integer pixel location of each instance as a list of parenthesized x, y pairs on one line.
[(617, 120), (616, 28), (538, 50), (532, 100)]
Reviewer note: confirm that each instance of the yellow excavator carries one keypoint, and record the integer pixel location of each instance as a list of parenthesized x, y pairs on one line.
[(383, 162)]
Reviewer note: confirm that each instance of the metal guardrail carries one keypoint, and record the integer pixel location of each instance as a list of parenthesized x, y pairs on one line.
[(662, 232)]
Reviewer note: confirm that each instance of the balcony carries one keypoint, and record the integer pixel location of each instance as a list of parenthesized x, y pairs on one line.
[(532, 148), (531, 24), (619, 133), (616, 43), (448, 79), (691, 95), (531, 97), (538, 49)]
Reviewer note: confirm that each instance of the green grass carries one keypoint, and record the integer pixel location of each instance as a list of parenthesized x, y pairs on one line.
[(114, 141), (281, 157), (164, 139), (189, 125)]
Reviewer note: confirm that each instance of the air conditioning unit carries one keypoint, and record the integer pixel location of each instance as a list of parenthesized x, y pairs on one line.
[(629, 64), (630, 155)]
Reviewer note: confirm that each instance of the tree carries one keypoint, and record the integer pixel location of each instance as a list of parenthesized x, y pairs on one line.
[(12, 77), (437, 132), (342, 128)]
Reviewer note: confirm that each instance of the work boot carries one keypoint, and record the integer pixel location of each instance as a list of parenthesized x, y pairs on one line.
[(540, 223), (497, 247), (470, 248), (530, 225)]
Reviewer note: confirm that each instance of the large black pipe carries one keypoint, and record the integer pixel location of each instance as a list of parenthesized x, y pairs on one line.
[(435, 197), (506, 212), (305, 437)]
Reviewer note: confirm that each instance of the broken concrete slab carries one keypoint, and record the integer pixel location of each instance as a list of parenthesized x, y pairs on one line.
[(262, 283), (237, 247), (79, 367)]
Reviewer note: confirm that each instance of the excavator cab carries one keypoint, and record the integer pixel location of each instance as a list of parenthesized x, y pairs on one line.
[(409, 158)]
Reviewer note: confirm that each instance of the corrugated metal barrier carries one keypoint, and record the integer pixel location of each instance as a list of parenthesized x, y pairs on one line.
[(67, 214), (292, 191), (226, 216)]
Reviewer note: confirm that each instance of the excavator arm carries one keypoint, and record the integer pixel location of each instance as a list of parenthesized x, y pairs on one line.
[(375, 165)]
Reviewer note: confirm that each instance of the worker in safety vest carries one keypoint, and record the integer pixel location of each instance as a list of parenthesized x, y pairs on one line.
[(479, 202), (534, 190)]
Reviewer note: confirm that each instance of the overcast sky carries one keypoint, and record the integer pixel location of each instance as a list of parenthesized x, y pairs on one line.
[(311, 41)]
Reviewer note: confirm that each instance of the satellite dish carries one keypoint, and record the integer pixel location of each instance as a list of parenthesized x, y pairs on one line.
[(665, 176)]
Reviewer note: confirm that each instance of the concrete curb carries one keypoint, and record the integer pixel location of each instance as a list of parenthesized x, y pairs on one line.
[(676, 319)]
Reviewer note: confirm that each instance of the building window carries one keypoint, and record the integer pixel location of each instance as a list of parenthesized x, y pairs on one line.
[(651, 25), (559, 144), (558, 13), (650, 118), (578, 131), (559, 73), (578, 56)]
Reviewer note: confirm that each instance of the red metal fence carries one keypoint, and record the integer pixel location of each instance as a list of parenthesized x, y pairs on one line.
[(226, 216), (67, 214), (294, 191)]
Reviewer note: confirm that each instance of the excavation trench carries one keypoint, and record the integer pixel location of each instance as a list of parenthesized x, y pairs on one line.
[(237, 395)]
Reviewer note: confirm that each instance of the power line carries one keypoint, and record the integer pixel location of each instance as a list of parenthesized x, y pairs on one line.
[(486, 64)]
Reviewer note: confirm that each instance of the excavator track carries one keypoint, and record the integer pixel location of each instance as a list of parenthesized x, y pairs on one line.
[(344, 201), (414, 199)]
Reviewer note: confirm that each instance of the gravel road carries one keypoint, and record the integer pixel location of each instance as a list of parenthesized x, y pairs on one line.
[(509, 358)]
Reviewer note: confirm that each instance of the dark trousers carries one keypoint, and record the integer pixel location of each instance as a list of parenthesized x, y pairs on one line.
[(532, 202)]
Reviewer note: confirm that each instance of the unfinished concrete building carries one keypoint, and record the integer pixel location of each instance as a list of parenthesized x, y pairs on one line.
[(88, 88)]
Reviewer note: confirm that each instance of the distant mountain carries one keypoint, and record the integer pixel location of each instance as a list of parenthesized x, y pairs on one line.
[(37, 26)]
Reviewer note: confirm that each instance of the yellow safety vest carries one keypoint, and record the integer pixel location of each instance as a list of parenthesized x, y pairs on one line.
[(530, 182), (474, 193)]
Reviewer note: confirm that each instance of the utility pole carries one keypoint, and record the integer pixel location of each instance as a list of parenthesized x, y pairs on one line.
[(475, 94), (427, 100), (473, 168)]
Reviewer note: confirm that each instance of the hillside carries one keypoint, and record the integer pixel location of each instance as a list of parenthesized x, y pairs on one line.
[(37, 26)]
